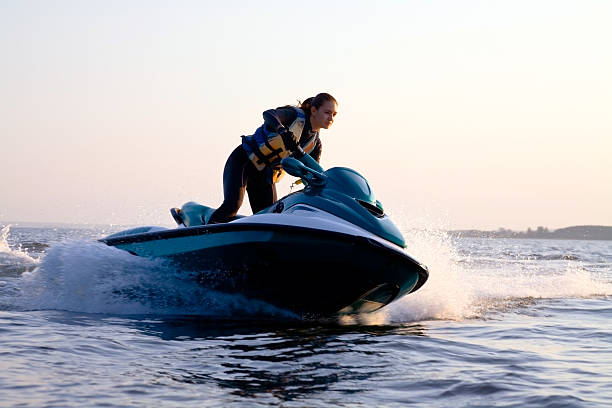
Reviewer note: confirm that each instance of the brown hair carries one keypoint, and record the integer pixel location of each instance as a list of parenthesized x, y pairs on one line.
[(316, 101)]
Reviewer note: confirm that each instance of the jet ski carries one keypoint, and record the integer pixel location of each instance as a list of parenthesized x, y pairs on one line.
[(326, 250)]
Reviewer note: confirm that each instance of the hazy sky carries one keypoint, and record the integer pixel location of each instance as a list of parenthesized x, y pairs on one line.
[(483, 114)]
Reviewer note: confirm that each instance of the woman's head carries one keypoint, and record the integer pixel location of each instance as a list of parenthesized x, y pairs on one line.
[(321, 110)]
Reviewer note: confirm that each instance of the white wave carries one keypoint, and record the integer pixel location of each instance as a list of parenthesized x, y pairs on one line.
[(457, 289), (446, 294), (13, 261), (14, 253), (88, 276), (91, 277)]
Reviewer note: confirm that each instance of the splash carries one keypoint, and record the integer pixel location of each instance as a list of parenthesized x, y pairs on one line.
[(460, 287), (447, 294), (88, 276), (13, 261), (465, 281), (4, 247)]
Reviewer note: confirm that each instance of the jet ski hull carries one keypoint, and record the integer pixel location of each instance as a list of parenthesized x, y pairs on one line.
[(309, 271)]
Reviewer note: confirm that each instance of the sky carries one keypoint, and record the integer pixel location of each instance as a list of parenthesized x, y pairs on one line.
[(475, 114)]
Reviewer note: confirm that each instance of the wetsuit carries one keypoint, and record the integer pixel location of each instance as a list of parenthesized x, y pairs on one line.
[(240, 173)]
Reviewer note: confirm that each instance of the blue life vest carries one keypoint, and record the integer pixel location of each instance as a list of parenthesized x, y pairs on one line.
[(265, 148)]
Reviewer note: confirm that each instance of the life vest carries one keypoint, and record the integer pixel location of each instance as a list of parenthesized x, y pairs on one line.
[(276, 171), (310, 144), (265, 148)]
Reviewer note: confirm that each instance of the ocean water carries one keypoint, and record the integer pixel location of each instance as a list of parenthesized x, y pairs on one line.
[(501, 322)]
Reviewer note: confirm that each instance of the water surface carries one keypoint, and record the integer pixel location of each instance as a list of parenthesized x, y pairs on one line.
[(501, 322)]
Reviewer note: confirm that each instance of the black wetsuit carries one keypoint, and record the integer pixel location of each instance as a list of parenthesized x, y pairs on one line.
[(240, 174)]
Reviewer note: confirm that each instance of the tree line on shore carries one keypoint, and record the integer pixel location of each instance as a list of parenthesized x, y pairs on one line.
[(595, 232)]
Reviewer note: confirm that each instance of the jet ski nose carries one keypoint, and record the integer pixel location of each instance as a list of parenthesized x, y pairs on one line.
[(373, 300)]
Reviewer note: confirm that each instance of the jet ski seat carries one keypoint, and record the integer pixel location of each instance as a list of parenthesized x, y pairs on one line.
[(192, 214)]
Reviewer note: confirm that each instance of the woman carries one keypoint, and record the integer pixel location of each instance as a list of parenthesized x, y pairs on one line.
[(254, 166)]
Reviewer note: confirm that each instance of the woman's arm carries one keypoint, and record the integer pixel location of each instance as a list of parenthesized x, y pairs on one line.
[(279, 118)]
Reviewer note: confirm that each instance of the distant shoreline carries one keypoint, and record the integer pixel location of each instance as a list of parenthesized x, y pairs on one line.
[(580, 232)]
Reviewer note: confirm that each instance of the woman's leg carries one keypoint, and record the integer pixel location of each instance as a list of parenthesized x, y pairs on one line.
[(234, 183), (262, 194)]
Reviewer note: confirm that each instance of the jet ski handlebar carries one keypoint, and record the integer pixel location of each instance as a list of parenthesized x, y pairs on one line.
[(298, 169)]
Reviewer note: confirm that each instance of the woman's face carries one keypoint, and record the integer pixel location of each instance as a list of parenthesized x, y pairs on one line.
[(323, 117)]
